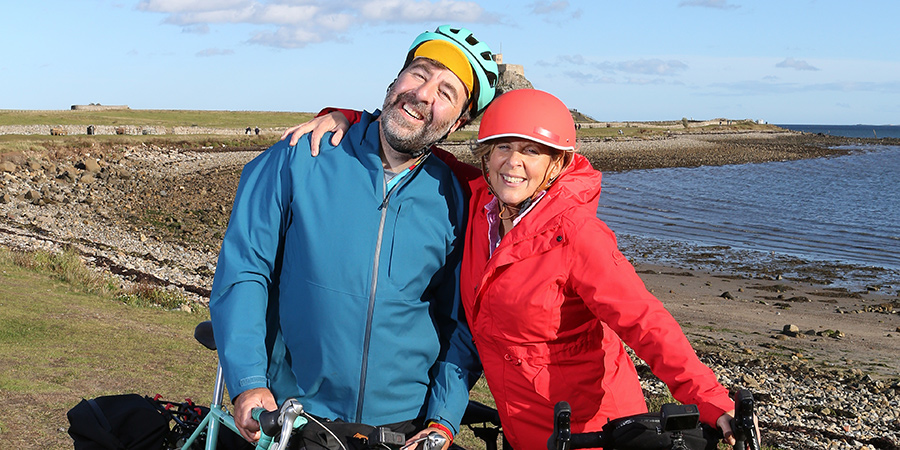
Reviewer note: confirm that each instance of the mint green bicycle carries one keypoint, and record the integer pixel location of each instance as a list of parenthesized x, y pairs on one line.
[(278, 426)]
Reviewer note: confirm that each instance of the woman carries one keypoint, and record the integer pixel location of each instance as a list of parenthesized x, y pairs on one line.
[(549, 297)]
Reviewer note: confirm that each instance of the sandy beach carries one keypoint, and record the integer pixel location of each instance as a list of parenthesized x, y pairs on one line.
[(757, 329)]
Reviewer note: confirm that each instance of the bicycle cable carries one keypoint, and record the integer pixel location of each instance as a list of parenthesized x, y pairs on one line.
[(313, 419)]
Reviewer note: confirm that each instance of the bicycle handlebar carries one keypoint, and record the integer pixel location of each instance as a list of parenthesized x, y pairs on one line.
[(279, 423), (562, 427), (563, 438), (743, 425), (268, 421), (674, 418)]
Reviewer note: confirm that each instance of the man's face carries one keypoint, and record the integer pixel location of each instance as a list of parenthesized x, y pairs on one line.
[(422, 106)]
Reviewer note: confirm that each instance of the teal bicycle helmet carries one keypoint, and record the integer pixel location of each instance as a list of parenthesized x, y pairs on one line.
[(479, 56)]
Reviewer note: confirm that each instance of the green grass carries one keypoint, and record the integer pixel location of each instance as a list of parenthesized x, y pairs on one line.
[(99, 144), (153, 117), (61, 341), (81, 144)]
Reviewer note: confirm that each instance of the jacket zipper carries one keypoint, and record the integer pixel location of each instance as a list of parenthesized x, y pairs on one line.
[(371, 311)]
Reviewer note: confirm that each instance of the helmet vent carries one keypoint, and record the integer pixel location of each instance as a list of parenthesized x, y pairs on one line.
[(492, 79)]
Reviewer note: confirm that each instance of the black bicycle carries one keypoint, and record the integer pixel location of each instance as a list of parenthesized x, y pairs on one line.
[(674, 427)]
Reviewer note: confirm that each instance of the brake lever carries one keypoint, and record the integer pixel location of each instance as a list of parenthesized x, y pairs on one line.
[(433, 441)]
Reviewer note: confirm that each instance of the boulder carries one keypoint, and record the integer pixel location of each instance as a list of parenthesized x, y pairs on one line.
[(791, 330), (33, 196), (89, 165)]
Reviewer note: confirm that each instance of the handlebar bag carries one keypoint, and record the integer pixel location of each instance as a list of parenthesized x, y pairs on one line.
[(117, 422), (354, 436), (644, 432)]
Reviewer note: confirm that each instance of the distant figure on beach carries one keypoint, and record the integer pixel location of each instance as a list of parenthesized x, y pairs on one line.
[(255, 130), (247, 131)]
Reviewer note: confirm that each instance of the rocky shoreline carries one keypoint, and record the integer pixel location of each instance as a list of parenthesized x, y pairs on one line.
[(156, 215)]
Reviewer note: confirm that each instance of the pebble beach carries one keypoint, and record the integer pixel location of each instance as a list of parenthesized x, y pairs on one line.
[(821, 361)]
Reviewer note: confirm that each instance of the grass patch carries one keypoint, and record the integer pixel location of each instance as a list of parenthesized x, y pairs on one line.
[(147, 296), (65, 266), (241, 120), (60, 343), (157, 117), (60, 147)]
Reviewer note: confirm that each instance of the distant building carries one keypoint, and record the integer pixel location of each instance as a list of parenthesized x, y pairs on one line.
[(99, 107), (512, 76)]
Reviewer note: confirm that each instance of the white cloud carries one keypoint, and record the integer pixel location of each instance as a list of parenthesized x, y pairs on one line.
[(590, 78), (557, 11), (181, 6), (545, 7), (716, 4), (751, 87), (200, 28), (791, 63), (215, 52), (419, 11), (295, 23), (287, 37), (653, 66)]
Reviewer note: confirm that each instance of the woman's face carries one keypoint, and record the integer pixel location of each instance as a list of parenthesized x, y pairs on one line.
[(518, 167)]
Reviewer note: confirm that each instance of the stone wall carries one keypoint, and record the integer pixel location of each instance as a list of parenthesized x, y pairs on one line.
[(511, 69), (123, 129), (93, 107)]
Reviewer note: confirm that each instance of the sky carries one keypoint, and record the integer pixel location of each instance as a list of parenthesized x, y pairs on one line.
[(779, 61)]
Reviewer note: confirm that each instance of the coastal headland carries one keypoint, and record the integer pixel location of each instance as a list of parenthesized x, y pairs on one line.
[(822, 360)]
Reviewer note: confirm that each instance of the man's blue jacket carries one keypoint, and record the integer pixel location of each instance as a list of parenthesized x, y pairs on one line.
[(329, 291)]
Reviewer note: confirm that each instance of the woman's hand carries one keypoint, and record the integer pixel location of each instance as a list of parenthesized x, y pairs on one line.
[(724, 424), (424, 433), (333, 121)]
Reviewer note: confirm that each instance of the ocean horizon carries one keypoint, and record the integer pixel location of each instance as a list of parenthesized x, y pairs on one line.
[(851, 131)]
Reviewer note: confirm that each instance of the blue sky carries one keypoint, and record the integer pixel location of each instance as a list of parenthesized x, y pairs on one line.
[(804, 61)]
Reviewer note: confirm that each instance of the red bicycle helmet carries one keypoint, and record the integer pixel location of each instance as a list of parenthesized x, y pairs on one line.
[(530, 114)]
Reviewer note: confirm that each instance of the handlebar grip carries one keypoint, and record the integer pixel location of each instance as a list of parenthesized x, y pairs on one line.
[(268, 421), (743, 425), (739, 443), (562, 427), (594, 439)]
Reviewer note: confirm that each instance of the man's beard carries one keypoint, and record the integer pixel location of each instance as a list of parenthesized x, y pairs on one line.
[(397, 131)]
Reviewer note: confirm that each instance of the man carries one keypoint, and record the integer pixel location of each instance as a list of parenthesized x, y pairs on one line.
[(345, 295)]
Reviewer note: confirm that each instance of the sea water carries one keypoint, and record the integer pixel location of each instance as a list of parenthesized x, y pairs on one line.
[(843, 211), (853, 131)]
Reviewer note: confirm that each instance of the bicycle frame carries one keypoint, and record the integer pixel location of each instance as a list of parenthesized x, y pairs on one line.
[(290, 416), (219, 416)]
